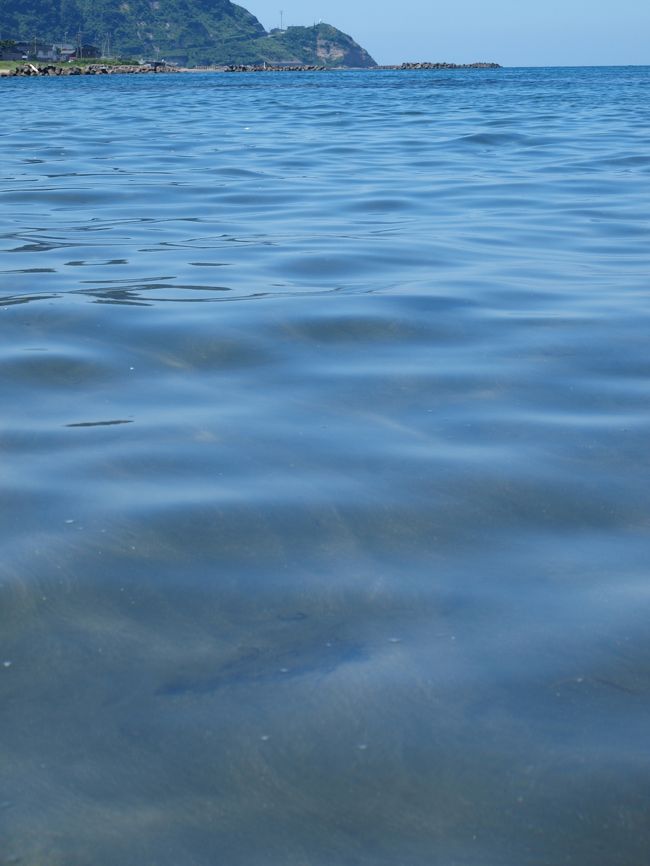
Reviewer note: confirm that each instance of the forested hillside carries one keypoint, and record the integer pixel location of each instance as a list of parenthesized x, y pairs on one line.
[(187, 31)]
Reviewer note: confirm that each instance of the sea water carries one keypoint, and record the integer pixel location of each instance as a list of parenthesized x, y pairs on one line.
[(325, 495)]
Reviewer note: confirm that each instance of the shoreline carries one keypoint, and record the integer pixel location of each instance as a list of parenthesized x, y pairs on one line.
[(31, 70)]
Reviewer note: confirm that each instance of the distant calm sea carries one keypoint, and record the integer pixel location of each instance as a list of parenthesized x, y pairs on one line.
[(325, 513)]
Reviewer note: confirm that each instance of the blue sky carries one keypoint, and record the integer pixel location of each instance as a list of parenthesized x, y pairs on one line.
[(511, 32)]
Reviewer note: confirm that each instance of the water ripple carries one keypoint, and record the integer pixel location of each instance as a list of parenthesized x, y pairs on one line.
[(325, 505)]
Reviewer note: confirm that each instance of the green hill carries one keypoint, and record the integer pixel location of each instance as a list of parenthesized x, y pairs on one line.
[(321, 44), (191, 32)]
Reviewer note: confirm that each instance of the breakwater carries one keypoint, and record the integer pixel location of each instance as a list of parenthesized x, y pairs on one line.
[(427, 65), (396, 67), (27, 70), (393, 67)]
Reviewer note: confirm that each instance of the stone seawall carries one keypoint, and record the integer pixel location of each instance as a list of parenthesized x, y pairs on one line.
[(29, 69), (410, 66), (268, 68)]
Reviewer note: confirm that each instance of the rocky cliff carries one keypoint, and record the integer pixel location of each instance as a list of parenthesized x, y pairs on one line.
[(321, 44)]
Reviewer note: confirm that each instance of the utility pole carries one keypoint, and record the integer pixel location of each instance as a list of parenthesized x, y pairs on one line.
[(281, 19)]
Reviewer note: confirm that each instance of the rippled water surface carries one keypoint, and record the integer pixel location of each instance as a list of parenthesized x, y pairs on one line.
[(325, 501)]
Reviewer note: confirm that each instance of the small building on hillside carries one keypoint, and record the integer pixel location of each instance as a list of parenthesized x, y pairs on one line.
[(12, 50), (64, 50)]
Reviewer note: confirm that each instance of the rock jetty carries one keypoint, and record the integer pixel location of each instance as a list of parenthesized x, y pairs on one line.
[(268, 68), (405, 66), (28, 69), (444, 66)]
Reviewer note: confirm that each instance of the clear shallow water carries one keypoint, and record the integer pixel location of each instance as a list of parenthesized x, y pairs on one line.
[(325, 514)]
